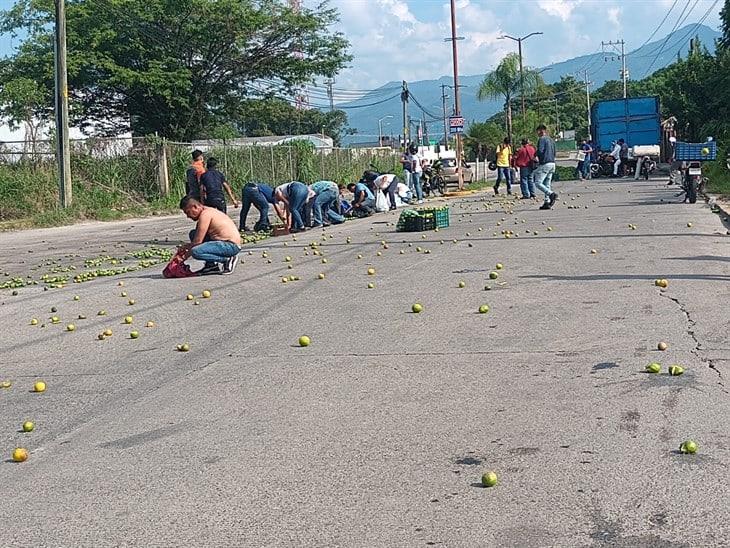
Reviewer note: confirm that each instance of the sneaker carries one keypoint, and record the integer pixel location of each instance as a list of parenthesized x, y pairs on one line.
[(243, 229), (420, 201), (496, 190), (546, 205), (210, 268), (553, 199), (230, 265), (533, 196), (525, 197), (317, 226)]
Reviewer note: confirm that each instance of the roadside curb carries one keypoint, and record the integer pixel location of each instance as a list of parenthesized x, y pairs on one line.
[(722, 208)]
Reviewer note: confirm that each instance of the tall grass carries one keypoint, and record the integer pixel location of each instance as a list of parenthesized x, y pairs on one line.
[(122, 185)]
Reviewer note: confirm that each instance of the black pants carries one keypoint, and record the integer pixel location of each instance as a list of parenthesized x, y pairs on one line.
[(218, 203), (390, 191)]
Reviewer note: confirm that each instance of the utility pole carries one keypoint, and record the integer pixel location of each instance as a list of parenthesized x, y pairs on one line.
[(522, 75), (557, 119), (329, 82), (624, 72), (446, 131), (406, 130), (588, 103), (457, 94), (63, 152)]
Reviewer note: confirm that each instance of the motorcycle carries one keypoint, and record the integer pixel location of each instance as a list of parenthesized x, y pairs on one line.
[(693, 183), (432, 181), (647, 167), (603, 167)]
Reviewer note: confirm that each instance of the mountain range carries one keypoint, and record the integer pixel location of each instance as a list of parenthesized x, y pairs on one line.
[(363, 113)]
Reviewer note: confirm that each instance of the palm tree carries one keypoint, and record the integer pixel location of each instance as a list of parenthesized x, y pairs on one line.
[(504, 82)]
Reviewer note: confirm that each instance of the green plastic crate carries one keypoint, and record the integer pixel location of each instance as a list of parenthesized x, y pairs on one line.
[(441, 215)]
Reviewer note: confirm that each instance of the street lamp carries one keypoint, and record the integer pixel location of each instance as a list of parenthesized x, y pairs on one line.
[(380, 129), (522, 77)]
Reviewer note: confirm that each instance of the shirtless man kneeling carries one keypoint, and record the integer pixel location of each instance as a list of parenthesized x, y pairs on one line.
[(216, 238)]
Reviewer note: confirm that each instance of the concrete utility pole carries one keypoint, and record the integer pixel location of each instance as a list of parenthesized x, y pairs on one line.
[(457, 94), (522, 75), (406, 130), (624, 72), (588, 103), (446, 130), (63, 151)]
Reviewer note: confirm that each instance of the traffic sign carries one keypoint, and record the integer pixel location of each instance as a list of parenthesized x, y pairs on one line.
[(456, 124)]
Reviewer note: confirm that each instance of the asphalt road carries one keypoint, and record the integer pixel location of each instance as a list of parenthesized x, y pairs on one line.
[(378, 433)]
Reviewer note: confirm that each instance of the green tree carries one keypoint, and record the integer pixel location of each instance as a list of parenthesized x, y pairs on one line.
[(504, 82), (724, 42), (20, 98), (175, 67), (481, 137)]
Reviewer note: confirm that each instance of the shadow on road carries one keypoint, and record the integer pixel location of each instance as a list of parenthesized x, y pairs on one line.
[(617, 277)]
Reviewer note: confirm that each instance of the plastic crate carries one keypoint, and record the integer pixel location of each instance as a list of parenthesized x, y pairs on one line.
[(419, 223), (441, 216), (692, 152)]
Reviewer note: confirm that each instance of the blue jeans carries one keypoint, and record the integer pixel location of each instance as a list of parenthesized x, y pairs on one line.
[(527, 185), (334, 215), (215, 251), (587, 167), (297, 200), (543, 176), (416, 179), (251, 195), (407, 179), (323, 202), (506, 174)]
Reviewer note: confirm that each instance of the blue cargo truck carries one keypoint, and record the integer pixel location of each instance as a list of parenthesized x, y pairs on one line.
[(636, 120)]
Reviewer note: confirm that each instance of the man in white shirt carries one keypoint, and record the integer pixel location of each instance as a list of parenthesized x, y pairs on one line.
[(386, 183), (416, 172), (616, 153)]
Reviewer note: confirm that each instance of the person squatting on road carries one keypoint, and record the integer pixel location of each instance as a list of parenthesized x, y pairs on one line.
[(504, 165), (363, 202), (212, 185), (543, 174), (215, 239), (523, 160), (260, 195)]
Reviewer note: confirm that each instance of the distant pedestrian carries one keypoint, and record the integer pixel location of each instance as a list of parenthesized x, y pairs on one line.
[(407, 168), (543, 174), (616, 155), (624, 155), (523, 161), (212, 185), (193, 174), (504, 165), (587, 151), (416, 172)]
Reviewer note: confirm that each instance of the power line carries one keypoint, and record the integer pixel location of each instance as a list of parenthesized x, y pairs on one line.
[(682, 17), (659, 25)]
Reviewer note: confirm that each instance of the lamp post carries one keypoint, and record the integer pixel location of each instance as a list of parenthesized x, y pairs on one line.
[(380, 129), (522, 76)]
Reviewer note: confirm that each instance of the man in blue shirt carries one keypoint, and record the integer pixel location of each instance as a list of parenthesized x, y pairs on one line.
[(327, 193), (363, 203), (260, 195), (543, 174)]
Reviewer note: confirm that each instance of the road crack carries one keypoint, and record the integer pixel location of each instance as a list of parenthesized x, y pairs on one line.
[(697, 351)]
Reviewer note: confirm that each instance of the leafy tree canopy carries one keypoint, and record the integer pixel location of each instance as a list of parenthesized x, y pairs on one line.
[(175, 67)]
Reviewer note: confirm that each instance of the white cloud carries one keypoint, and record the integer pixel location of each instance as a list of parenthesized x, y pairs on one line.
[(560, 8)]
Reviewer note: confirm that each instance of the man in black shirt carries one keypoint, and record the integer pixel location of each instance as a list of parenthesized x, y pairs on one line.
[(193, 174), (212, 185)]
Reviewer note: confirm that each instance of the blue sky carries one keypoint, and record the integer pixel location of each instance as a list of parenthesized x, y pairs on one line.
[(395, 40)]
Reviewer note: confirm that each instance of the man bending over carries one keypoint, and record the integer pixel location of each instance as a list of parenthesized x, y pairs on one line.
[(215, 239)]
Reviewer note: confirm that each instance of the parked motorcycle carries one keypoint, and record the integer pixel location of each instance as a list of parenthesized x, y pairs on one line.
[(432, 181), (603, 167), (648, 166), (693, 183)]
